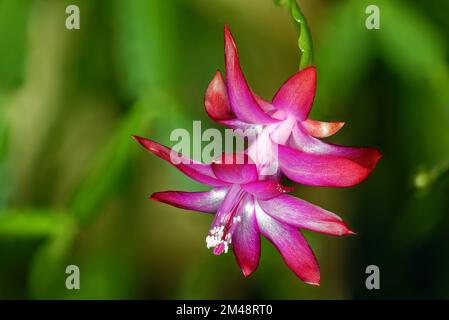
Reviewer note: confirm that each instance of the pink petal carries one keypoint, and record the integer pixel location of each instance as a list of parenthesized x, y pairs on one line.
[(216, 99), (235, 168), (236, 124), (246, 241), (217, 104), (197, 171), (319, 129), (242, 101), (297, 93), (301, 214), (266, 106), (208, 201), (365, 156), (266, 189), (292, 246), (320, 169)]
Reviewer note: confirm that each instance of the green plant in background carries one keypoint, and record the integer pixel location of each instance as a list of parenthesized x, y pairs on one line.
[(70, 194), (146, 85)]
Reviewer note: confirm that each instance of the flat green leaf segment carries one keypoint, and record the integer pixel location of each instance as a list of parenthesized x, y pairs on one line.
[(31, 223), (305, 37)]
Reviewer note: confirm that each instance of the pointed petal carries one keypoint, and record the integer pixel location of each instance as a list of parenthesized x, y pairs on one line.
[(246, 241), (266, 106), (292, 246), (312, 162), (301, 214), (216, 99), (208, 201), (235, 168), (297, 93), (242, 101), (365, 156), (217, 104), (320, 129), (197, 171), (266, 189), (320, 169), (236, 124)]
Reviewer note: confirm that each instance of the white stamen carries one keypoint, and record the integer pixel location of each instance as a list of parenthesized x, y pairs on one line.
[(215, 236)]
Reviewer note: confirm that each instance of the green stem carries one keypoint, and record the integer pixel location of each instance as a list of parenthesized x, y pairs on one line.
[(305, 37)]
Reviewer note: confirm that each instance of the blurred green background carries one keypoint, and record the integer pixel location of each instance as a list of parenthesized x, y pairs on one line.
[(73, 184)]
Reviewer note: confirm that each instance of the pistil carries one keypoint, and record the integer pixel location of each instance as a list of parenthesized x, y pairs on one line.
[(226, 221)]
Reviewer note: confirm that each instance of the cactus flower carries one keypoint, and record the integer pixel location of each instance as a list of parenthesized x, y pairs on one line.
[(246, 198), (245, 207), (286, 127)]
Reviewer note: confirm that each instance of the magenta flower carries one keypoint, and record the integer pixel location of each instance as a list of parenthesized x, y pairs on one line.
[(286, 127), (246, 206), (246, 198)]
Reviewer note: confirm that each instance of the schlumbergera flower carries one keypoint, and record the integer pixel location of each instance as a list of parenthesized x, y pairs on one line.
[(247, 197), (288, 138), (244, 206)]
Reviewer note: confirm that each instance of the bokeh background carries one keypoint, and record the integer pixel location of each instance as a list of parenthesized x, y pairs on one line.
[(74, 185)]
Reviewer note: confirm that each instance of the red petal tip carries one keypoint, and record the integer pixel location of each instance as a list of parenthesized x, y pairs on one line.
[(246, 273), (228, 36), (150, 145), (138, 139), (313, 283), (226, 28), (143, 142)]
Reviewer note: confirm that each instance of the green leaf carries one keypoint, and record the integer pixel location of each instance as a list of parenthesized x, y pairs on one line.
[(30, 223), (305, 37), (58, 229), (47, 269), (5, 185), (13, 32)]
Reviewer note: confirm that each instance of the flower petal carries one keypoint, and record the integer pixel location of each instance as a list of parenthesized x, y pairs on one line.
[(365, 156), (197, 171), (235, 168), (266, 189), (266, 106), (208, 201), (242, 101), (216, 99), (292, 246), (246, 241), (320, 169), (236, 124), (297, 93), (320, 129), (301, 214)]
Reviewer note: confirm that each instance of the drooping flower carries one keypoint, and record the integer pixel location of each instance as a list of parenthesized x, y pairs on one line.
[(245, 206), (289, 138)]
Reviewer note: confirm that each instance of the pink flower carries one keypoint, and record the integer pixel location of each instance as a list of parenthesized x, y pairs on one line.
[(289, 138), (246, 206), (246, 198)]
